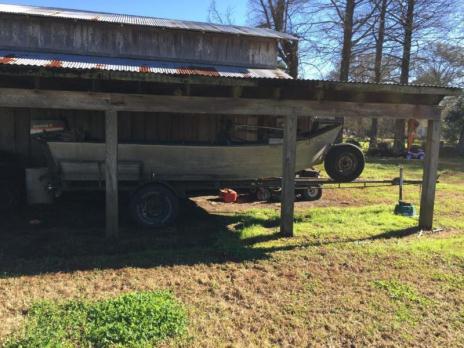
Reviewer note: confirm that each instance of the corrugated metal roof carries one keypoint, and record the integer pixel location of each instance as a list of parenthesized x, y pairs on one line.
[(66, 61), (142, 21)]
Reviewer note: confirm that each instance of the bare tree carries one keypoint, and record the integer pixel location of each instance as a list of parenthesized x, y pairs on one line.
[(216, 16), (288, 16), (418, 22), (379, 37), (443, 65)]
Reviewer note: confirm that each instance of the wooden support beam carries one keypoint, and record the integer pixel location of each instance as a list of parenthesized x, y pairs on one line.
[(46, 99), (288, 175), (111, 172), (432, 149)]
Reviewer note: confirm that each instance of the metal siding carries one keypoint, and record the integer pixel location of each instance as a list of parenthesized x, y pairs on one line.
[(66, 61), (142, 21)]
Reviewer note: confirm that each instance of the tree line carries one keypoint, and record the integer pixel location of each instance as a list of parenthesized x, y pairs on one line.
[(379, 41)]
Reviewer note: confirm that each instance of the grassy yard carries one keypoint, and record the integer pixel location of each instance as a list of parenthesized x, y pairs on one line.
[(354, 275)]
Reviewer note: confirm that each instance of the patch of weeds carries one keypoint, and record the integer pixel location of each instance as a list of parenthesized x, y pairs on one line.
[(402, 292), (132, 320), (451, 281), (403, 314)]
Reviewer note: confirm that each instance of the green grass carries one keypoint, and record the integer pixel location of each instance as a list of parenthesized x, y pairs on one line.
[(402, 292), (131, 320)]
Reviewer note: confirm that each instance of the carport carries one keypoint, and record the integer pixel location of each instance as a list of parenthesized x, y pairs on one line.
[(112, 92)]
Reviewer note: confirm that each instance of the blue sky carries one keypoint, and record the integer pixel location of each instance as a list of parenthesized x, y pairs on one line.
[(196, 10)]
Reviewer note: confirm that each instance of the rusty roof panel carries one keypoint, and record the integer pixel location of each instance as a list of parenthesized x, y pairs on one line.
[(66, 61), (142, 21)]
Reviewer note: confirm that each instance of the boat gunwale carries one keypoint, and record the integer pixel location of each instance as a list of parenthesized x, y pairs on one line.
[(318, 132)]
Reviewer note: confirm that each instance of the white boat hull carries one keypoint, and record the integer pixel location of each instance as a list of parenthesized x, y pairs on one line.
[(185, 162)]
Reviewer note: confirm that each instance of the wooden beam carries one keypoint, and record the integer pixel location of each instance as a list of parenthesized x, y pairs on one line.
[(111, 172), (45, 99), (432, 149), (328, 86), (288, 175)]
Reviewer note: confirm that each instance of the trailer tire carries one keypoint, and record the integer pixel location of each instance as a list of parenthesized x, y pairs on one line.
[(263, 194), (313, 193), (154, 206), (344, 162)]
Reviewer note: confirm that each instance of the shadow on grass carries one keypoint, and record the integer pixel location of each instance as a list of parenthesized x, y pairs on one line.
[(69, 236)]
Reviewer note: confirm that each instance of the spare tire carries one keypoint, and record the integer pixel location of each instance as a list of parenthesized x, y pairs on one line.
[(154, 206), (344, 162)]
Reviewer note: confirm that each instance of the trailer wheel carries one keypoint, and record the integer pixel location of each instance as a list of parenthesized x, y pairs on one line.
[(263, 194), (313, 193), (154, 206), (344, 162)]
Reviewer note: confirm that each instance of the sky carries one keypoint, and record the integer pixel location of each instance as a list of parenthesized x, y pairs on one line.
[(196, 10)]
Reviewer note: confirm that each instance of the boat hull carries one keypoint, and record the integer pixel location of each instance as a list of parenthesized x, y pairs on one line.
[(184, 162)]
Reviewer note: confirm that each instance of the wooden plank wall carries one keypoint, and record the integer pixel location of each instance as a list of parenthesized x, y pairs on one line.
[(14, 133)]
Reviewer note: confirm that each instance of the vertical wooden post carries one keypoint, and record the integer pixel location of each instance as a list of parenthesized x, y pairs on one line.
[(111, 172), (288, 175), (432, 149)]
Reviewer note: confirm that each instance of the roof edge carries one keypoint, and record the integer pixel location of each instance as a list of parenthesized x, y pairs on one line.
[(28, 10)]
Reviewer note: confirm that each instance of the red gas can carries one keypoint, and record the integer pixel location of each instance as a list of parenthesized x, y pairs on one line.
[(228, 195)]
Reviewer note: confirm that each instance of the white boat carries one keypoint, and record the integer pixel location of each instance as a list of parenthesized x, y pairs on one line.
[(84, 161)]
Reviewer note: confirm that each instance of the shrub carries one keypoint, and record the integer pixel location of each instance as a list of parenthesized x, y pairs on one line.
[(132, 320)]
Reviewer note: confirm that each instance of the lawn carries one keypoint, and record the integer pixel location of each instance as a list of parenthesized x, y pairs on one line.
[(354, 275)]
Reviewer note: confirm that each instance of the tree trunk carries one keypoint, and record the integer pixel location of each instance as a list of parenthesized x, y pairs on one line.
[(378, 67), (398, 146), (347, 40), (293, 60), (460, 146), (346, 51), (373, 134)]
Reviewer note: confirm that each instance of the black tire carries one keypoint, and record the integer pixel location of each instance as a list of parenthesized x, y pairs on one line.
[(154, 206), (344, 162), (311, 194)]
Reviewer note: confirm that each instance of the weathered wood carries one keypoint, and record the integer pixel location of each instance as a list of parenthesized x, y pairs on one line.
[(46, 99), (111, 174), (7, 130), (322, 89), (22, 134), (288, 175), (103, 39), (432, 149)]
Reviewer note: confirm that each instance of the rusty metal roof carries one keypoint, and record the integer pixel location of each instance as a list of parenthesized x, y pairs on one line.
[(142, 21), (66, 61)]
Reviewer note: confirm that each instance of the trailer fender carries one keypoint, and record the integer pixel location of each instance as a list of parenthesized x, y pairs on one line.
[(176, 190)]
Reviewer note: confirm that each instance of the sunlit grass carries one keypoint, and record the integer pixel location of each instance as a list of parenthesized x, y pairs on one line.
[(131, 320)]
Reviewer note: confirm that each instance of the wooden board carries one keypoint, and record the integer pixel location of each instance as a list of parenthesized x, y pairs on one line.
[(11, 97)]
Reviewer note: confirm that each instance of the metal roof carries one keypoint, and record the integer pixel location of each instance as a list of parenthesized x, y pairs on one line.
[(66, 61), (142, 21)]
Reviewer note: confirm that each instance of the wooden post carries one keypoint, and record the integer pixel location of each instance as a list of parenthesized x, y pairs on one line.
[(432, 149), (288, 176), (111, 172)]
